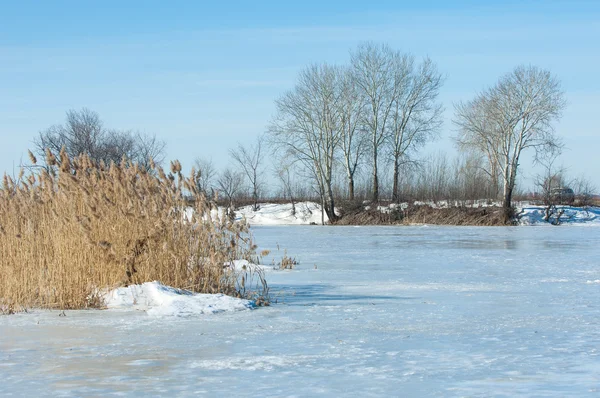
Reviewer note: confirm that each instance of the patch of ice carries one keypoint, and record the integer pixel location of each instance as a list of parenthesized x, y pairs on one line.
[(597, 281), (160, 300)]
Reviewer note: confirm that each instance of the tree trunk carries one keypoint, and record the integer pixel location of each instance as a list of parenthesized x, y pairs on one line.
[(395, 194), (507, 200), (351, 187), (330, 205), (494, 181), (375, 179), (507, 203), (255, 198), (322, 209)]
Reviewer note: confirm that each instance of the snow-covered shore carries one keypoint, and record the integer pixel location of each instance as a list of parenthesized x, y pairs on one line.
[(310, 213), (282, 214), (534, 215)]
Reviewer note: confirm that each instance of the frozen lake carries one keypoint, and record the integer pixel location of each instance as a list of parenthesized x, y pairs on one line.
[(398, 311)]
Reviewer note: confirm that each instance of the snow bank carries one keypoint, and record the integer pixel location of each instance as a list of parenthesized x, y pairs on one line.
[(160, 300), (310, 212), (534, 215), (281, 214)]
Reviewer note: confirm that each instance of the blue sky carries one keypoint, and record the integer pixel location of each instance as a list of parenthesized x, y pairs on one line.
[(203, 76)]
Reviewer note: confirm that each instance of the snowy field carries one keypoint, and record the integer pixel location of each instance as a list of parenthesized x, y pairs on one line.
[(369, 311)]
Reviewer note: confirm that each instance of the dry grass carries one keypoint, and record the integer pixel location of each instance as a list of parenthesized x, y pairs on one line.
[(424, 214), (287, 262), (486, 216), (74, 228)]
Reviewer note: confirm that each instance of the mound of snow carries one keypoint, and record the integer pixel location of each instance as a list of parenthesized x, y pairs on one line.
[(534, 215), (160, 300), (282, 214)]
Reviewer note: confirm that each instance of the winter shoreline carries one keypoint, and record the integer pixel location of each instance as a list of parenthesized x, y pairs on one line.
[(418, 213)]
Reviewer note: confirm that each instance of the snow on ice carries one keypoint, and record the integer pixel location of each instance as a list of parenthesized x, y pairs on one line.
[(159, 300)]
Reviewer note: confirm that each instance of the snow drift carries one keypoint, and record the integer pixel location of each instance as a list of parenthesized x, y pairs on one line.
[(282, 214), (160, 300), (534, 215)]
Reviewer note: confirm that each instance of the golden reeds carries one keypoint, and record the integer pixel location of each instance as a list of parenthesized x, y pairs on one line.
[(73, 228)]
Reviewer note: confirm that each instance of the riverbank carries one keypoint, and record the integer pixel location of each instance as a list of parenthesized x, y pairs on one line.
[(478, 213)]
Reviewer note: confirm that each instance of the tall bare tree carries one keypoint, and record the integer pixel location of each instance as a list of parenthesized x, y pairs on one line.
[(516, 114), (354, 142), (306, 129), (374, 68), (250, 160), (416, 115), (476, 136)]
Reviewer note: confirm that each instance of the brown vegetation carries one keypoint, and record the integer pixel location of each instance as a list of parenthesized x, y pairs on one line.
[(425, 214), (486, 216), (75, 227)]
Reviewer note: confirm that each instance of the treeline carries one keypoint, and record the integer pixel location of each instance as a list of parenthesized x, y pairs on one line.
[(354, 132)]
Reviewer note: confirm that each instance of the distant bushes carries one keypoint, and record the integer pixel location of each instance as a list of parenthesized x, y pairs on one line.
[(75, 227)]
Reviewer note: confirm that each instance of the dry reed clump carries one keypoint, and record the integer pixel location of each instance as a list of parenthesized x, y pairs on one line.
[(286, 262), (73, 228)]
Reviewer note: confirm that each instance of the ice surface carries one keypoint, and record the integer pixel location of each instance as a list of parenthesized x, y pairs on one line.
[(388, 311)]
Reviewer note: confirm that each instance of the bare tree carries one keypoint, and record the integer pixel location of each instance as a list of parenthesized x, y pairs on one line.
[(584, 189), (81, 134), (306, 129), (374, 68), (353, 140), (147, 150), (114, 145), (284, 172), (205, 176), (250, 160), (514, 115), (476, 136), (548, 181), (416, 114), (230, 184), (84, 133)]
